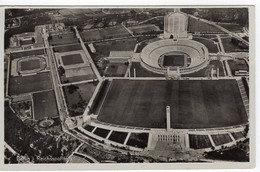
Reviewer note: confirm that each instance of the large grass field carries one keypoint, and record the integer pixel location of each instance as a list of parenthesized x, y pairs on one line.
[(44, 105), (105, 33), (72, 59), (27, 84), (30, 64), (195, 25), (194, 103)]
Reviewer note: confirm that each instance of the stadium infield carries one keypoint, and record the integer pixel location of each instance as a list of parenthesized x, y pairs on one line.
[(30, 64), (194, 103), (173, 60)]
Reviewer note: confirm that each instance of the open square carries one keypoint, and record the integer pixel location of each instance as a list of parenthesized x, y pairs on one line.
[(194, 103)]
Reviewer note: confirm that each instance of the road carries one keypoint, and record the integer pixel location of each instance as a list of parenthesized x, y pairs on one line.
[(55, 80), (129, 31), (220, 44)]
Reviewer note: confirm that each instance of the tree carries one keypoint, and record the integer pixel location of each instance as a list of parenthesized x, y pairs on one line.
[(246, 130), (72, 88), (33, 40), (61, 70), (50, 37)]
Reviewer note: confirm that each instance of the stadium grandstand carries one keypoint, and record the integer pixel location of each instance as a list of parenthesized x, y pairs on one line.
[(153, 52)]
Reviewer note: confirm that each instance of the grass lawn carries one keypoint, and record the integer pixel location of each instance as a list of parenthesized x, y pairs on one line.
[(31, 83), (118, 136), (61, 39), (116, 69), (238, 64), (205, 72), (72, 59), (27, 53), (78, 74), (79, 78), (141, 72), (173, 60), (26, 42), (67, 48), (30, 64), (103, 49), (232, 27), (140, 47), (238, 135), (220, 139), (44, 105), (143, 28), (104, 33), (89, 128), (101, 132), (194, 103), (217, 64), (195, 25), (212, 47), (78, 99), (139, 140), (199, 141), (231, 47)]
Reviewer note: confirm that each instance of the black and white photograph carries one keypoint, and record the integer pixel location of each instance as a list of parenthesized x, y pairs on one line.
[(143, 85)]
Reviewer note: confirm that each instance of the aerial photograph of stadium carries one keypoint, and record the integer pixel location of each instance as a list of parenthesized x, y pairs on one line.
[(126, 85)]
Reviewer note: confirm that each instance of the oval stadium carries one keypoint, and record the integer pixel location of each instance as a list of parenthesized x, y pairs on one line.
[(190, 56)]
